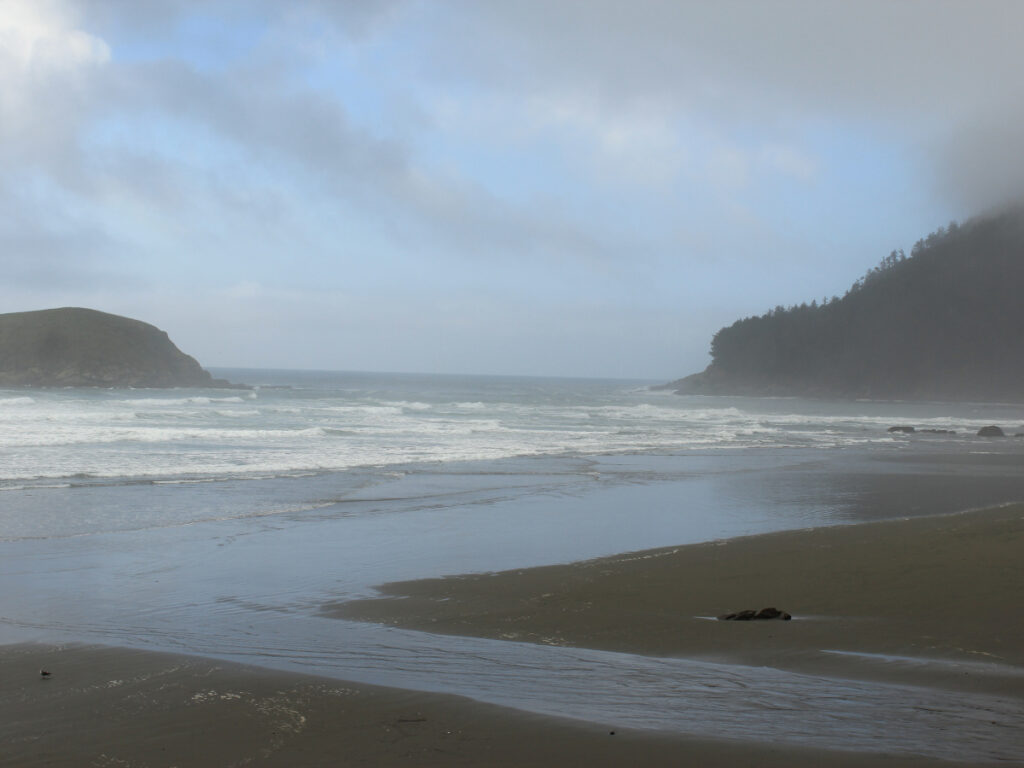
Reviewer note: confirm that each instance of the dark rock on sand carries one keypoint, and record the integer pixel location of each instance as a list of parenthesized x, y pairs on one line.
[(74, 347), (749, 615), (772, 613), (991, 431), (738, 616)]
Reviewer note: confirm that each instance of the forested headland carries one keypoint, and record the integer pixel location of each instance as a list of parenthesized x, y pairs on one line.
[(945, 322)]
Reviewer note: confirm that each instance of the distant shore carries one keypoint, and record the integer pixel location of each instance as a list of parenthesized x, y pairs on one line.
[(942, 588)]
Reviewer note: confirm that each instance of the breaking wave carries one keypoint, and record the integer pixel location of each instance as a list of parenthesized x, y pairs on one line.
[(391, 421)]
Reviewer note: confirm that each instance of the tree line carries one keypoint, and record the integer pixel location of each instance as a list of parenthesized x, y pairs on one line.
[(944, 322)]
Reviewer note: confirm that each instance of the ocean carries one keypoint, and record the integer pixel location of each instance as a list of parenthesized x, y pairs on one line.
[(220, 522)]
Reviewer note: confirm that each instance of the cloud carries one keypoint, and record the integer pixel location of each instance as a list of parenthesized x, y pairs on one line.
[(62, 255), (37, 38), (48, 72), (354, 19), (873, 56), (305, 136), (165, 152), (47, 68), (626, 152), (980, 165), (915, 74), (640, 145)]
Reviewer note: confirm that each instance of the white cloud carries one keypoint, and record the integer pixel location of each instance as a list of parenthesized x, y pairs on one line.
[(45, 64), (39, 36)]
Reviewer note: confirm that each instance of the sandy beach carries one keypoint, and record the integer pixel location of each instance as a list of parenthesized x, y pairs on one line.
[(926, 589), (939, 588), (115, 707)]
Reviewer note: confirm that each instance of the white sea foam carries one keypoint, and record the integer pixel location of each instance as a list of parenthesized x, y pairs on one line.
[(197, 400), (366, 410), (414, 406), (56, 434)]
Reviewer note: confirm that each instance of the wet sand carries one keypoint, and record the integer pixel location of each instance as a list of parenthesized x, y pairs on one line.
[(943, 588), (113, 707)]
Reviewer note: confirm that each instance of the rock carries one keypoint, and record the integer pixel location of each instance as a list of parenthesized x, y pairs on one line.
[(74, 347), (991, 431), (911, 430), (763, 614)]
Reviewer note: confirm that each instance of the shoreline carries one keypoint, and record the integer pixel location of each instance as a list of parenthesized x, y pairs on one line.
[(923, 601), (111, 706), (927, 602)]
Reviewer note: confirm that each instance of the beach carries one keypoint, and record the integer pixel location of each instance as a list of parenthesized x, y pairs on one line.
[(223, 580), (936, 588), (115, 707), (928, 601)]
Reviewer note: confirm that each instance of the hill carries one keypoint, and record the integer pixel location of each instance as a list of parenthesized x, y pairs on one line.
[(945, 323), (74, 347)]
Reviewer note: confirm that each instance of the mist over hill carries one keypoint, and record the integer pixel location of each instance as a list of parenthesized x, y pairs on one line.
[(944, 323), (74, 347)]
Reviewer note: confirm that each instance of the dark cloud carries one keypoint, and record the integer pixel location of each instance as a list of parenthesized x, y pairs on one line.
[(263, 117)]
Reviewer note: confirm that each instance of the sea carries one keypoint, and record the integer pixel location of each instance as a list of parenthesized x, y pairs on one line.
[(221, 522)]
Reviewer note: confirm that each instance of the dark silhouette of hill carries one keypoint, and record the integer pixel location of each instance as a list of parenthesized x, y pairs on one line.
[(945, 323), (74, 347)]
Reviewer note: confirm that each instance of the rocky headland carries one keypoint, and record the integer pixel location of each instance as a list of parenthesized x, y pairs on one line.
[(75, 347)]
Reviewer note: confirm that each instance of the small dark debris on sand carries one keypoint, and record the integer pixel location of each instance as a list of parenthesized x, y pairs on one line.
[(748, 615)]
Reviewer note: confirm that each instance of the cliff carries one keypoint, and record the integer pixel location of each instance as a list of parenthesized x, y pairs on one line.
[(74, 347), (945, 323)]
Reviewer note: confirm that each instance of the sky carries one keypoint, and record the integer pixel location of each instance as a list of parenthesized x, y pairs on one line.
[(534, 187)]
